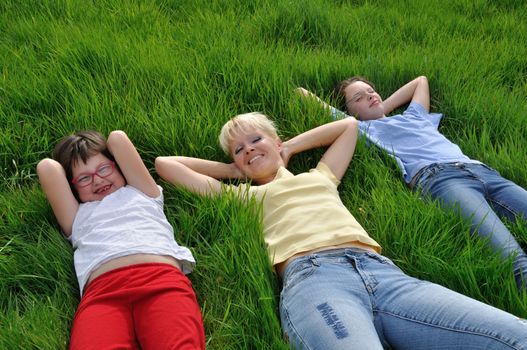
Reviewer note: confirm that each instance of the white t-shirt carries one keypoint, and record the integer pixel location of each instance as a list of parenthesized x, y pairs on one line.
[(123, 223)]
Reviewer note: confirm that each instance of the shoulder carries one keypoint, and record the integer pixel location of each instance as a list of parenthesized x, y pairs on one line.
[(130, 191), (415, 109), (323, 169)]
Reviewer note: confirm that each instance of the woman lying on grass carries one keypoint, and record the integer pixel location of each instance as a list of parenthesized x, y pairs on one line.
[(338, 291), (436, 167), (130, 268)]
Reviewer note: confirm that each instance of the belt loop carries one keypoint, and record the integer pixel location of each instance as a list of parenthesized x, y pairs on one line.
[(413, 182), (314, 261)]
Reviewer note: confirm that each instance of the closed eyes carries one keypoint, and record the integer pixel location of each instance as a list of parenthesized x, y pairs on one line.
[(357, 97), (255, 139)]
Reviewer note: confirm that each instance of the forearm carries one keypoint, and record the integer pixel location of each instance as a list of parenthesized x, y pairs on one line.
[(197, 175), (321, 136), (306, 93), (217, 170), (130, 162), (416, 90)]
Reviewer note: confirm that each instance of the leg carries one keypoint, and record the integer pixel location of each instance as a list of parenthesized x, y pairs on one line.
[(462, 187), (507, 198), (103, 319), (458, 188), (166, 313), (413, 314), (324, 305)]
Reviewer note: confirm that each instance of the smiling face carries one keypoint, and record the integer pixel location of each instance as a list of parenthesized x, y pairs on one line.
[(363, 102), (101, 186), (256, 154)]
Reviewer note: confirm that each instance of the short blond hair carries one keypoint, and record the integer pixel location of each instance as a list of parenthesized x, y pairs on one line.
[(245, 123)]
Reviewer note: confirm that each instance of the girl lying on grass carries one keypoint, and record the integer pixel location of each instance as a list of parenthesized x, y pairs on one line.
[(436, 167), (338, 291), (129, 267)]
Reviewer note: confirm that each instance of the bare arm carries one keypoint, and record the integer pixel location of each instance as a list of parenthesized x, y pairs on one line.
[(335, 113), (53, 180), (340, 136), (198, 175), (131, 164), (306, 93), (416, 90)]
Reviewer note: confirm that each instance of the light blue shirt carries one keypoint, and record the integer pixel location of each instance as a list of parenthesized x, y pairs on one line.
[(413, 140)]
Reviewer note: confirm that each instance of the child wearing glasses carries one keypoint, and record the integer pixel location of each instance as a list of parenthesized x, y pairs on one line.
[(434, 166), (131, 271), (338, 291)]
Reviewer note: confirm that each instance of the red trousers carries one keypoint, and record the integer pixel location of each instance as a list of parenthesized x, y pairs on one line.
[(143, 306)]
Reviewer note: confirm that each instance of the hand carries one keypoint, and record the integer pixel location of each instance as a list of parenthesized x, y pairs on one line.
[(303, 92), (236, 173)]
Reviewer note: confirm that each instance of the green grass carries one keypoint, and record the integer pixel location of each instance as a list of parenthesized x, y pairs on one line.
[(170, 73)]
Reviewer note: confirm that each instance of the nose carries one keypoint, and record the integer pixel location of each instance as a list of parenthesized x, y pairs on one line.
[(96, 179), (249, 150), (370, 96)]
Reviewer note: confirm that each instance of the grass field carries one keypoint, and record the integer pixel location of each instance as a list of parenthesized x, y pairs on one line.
[(171, 72)]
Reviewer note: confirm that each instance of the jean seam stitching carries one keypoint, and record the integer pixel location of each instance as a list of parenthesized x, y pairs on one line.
[(504, 206), (293, 328)]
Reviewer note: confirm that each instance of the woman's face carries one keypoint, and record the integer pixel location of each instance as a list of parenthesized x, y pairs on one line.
[(257, 155), (363, 102)]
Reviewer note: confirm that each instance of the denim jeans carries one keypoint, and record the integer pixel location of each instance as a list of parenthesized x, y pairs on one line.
[(482, 195), (355, 299)]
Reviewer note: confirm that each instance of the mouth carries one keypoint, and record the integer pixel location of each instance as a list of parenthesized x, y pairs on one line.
[(254, 158), (103, 189), (374, 103)]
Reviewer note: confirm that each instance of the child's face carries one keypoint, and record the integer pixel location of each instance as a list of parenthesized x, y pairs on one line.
[(363, 102), (257, 155), (101, 186)]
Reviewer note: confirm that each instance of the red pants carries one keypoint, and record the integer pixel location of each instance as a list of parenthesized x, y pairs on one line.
[(144, 306)]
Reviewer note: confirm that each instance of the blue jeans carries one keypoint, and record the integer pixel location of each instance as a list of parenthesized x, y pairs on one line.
[(482, 195), (355, 299)]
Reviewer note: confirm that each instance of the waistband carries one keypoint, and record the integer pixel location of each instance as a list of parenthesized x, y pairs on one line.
[(108, 274), (421, 171), (360, 248)]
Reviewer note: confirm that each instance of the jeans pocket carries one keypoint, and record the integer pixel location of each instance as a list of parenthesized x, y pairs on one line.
[(382, 259), (424, 182), (490, 169), (299, 271)]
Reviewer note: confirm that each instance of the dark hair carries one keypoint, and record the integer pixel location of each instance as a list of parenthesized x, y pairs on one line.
[(80, 146), (338, 90)]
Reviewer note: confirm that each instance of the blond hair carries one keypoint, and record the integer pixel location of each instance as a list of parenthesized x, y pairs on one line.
[(245, 123)]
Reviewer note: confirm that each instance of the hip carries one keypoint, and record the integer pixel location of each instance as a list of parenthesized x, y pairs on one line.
[(128, 260), (280, 268)]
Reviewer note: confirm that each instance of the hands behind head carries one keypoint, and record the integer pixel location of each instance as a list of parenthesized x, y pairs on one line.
[(236, 173)]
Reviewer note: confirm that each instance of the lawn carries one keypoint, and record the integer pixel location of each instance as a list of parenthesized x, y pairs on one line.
[(171, 72)]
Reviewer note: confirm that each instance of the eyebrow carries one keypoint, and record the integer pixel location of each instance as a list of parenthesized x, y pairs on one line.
[(353, 97), (356, 94), (361, 92)]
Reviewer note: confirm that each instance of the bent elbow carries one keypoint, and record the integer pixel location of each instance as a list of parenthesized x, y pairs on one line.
[(159, 165)]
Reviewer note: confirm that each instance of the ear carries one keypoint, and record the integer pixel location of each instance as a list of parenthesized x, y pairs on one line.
[(279, 144)]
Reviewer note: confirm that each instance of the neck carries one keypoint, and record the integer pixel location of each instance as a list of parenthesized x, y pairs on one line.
[(266, 179)]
